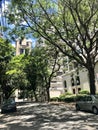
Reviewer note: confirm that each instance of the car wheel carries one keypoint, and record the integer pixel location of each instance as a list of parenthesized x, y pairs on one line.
[(77, 107), (95, 110)]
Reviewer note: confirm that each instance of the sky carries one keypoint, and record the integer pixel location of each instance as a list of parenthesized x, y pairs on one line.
[(3, 6)]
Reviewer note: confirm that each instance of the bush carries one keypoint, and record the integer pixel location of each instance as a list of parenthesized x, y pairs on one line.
[(64, 95), (67, 93), (83, 92), (70, 98), (80, 96), (67, 97), (54, 99), (61, 98)]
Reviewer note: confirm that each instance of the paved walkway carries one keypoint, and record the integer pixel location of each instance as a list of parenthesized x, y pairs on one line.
[(45, 116)]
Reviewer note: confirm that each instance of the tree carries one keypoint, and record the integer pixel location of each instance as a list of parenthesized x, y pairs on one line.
[(17, 74), (31, 74), (53, 59), (69, 25), (42, 66), (6, 53)]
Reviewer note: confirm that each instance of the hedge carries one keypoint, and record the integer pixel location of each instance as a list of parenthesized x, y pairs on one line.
[(68, 98)]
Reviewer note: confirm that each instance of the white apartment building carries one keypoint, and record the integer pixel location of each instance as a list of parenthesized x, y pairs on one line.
[(74, 82)]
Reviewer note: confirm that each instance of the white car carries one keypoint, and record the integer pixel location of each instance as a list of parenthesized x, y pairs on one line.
[(88, 103)]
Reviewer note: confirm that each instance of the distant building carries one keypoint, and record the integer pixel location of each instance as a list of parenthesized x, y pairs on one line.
[(23, 45)]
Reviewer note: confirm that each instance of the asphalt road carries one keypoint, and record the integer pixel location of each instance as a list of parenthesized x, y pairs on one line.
[(46, 116)]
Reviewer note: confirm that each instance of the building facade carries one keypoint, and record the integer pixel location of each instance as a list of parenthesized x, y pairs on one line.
[(68, 78), (23, 45), (73, 80)]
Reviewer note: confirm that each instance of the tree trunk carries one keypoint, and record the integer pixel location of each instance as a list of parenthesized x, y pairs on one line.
[(91, 73), (36, 99), (48, 94)]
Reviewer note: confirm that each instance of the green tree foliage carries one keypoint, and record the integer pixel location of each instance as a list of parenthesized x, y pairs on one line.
[(6, 53), (32, 73), (69, 25), (41, 68), (17, 74)]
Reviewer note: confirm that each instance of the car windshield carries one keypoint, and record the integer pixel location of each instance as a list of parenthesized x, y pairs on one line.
[(9, 101)]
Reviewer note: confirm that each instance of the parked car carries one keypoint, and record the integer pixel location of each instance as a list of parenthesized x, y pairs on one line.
[(88, 103), (8, 105)]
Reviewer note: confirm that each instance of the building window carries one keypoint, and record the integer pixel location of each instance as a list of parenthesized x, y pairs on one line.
[(65, 84), (77, 80), (72, 81), (59, 73), (79, 89), (21, 51), (65, 90), (20, 42), (73, 91), (27, 43)]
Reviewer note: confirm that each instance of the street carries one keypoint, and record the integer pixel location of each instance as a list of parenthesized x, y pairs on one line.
[(48, 116)]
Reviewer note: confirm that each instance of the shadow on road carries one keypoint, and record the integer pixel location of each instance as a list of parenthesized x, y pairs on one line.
[(45, 116)]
